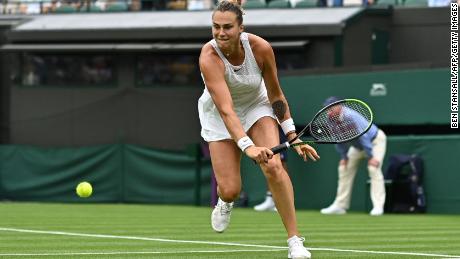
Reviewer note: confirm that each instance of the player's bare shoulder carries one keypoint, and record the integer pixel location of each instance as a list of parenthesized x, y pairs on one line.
[(259, 45), (262, 50), (209, 57)]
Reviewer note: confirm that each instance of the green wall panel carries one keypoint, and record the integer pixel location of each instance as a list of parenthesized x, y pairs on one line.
[(130, 173), (411, 97), (162, 177), (315, 183), (32, 173), (118, 173)]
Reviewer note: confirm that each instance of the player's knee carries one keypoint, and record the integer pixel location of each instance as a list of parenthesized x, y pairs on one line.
[(273, 170), (229, 193)]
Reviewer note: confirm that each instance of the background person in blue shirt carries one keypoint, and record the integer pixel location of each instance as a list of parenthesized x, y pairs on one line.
[(370, 146)]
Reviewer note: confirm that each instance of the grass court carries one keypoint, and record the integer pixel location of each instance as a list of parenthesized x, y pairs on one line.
[(53, 230)]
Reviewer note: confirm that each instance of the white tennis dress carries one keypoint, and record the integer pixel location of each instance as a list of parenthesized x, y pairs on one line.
[(248, 92)]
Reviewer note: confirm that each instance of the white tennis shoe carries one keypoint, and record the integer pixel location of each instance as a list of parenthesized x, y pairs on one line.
[(376, 211), (333, 210), (267, 205), (296, 248), (220, 217)]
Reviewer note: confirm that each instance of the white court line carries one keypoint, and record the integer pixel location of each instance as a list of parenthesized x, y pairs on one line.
[(137, 238), (272, 248), (146, 252), (383, 252)]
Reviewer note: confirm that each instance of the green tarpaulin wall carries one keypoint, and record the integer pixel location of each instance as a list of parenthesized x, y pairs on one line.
[(129, 173), (315, 183), (118, 173)]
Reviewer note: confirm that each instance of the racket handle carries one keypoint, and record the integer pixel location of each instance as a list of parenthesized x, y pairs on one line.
[(280, 147)]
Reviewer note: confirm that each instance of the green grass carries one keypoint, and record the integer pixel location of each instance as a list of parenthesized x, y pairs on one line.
[(132, 231)]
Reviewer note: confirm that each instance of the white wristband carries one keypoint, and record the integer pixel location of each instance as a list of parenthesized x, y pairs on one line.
[(288, 126), (244, 143)]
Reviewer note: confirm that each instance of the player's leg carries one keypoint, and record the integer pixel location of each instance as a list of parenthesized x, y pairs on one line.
[(265, 133), (377, 189), (225, 158), (268, 204), (347, 175)]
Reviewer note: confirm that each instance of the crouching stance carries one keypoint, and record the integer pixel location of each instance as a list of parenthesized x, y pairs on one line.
[(239, 111)]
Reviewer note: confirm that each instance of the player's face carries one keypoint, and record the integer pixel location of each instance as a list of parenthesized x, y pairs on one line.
[(225, 29)]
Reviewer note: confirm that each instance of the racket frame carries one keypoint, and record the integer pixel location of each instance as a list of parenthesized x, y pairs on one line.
[(289, 143)]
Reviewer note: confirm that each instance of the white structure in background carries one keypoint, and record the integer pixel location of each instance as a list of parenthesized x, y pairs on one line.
[(378, 89)]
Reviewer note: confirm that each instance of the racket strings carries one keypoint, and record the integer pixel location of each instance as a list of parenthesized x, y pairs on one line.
[(341, 122)]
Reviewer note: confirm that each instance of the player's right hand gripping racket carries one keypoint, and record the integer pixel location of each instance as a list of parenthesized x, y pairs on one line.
[(337, 122)]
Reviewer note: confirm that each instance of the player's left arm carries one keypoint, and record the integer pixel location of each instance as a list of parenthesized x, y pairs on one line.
[(265, 58)]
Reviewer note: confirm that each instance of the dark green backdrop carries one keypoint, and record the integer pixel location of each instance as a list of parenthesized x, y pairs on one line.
[(410, 97), (129, 173), (118, 173), (315, 183)]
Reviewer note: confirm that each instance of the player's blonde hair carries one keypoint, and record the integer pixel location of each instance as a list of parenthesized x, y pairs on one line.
[(233, 6)]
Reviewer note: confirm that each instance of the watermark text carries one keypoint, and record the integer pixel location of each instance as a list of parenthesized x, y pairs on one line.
[(454, 65)]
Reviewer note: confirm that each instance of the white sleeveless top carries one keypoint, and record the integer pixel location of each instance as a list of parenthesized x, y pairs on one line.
[(248, 92)]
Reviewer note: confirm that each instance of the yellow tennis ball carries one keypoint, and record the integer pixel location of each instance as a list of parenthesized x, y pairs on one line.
[(84, 189)]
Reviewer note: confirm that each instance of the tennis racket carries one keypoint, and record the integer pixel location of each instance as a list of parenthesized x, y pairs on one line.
[(338, 122)]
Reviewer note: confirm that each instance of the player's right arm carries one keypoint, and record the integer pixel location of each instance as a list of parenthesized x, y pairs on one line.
[(213, 70)]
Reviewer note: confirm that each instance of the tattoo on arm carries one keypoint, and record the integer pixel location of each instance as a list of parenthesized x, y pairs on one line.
[(279, 107)]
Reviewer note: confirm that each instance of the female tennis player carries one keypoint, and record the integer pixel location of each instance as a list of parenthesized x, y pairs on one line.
[(239, 111)]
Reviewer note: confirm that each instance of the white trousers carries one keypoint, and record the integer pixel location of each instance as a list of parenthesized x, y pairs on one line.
[(347, 174)]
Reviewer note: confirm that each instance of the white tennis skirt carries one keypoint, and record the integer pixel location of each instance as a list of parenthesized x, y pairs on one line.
[(212, 125)]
